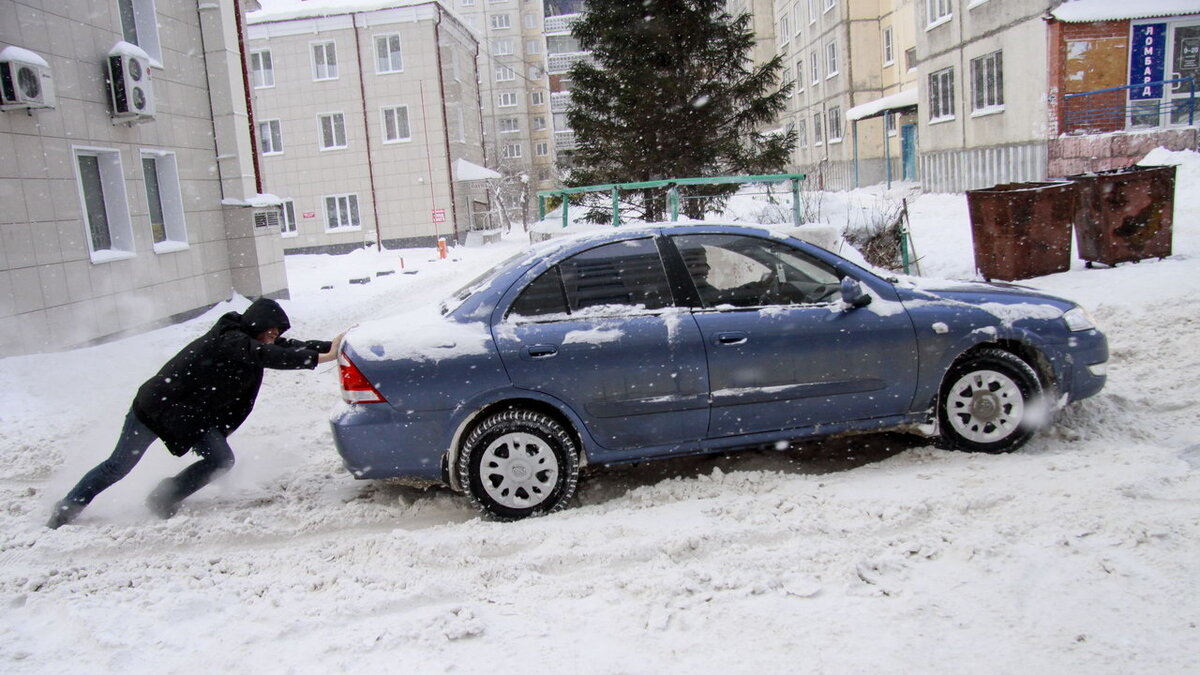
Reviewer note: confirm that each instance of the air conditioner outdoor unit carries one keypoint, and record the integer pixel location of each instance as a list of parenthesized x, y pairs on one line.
[(129, 83), (25, 80)]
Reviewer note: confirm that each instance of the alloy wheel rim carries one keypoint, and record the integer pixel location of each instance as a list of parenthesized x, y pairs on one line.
[(518, 470), (985, 406)]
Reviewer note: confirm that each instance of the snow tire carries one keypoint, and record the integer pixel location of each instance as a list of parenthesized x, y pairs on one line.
[(986, 402)]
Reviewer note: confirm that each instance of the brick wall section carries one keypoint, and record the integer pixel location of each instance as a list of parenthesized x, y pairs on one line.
[(1088, 57), (1070, 155)]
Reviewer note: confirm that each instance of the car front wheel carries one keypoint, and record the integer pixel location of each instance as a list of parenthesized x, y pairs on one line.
[(986, 402), (519, 463)]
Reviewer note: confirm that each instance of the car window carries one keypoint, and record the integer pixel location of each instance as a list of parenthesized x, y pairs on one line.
[(542, 297), (740, 271), (625, 274)]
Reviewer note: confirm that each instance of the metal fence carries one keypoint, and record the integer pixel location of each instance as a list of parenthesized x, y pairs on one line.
[(1112, 109)]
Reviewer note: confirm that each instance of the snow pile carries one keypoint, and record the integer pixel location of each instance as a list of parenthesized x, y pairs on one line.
[(862, 554)]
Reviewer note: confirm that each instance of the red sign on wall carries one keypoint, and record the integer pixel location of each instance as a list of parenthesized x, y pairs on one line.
[(439, 215), (309, 214)]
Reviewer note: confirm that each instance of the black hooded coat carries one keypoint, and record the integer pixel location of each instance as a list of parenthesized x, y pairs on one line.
[(212, 383)]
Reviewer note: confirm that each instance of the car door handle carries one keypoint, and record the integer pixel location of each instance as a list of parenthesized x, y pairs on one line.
[(732, 338), (541, 351)]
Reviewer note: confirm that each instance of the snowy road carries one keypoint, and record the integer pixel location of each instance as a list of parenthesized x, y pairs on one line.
[(867, 555)]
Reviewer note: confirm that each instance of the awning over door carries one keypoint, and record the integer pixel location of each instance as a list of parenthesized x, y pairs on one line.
[(898, 101)]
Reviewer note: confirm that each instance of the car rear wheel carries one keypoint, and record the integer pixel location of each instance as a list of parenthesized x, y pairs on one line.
[(519, 463), (986, 402)]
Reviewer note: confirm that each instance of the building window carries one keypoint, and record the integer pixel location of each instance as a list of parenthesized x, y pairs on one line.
[(387, 54), (910, 58), (542, 149), (501, 22), (785, 32), (164, 200), (815, 66), (506, 99), (812, 11), (798, 17), (889, 48), (139, 26), (341, 212), (287, 227), (941, 95), (505, 74), (503, 47), (533, 46), (987, 82), (802, 134), (270, 137), (531, 21), (511, 151), (830, 4), (105, 208), (818, 129), (889, 123), (835, 124), (799, 74), (324, 61), (468, 3), (831, 60), (539, 123), (537, 97), (508, 125), (262, 69), (333, 131), (534, 73), (395, 124), (937, 12)]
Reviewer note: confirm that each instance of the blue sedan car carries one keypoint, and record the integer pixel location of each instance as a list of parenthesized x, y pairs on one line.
[(661, 341)]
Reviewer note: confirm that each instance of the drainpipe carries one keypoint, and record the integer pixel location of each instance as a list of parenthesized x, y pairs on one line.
[(362, 91), (237, 13), (437, 45)]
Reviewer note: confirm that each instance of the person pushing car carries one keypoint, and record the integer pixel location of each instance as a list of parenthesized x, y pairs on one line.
[(195, 401)]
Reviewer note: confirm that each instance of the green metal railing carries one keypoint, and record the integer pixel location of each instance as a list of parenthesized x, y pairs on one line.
[(673, 198)]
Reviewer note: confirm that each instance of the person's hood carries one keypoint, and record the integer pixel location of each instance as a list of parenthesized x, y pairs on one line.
[(264, 314)]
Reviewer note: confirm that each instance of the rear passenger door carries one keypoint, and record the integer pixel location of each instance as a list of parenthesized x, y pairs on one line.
[(600, 332)]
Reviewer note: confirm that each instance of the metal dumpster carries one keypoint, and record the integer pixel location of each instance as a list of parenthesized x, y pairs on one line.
[(1125, 214), (1022, 230)]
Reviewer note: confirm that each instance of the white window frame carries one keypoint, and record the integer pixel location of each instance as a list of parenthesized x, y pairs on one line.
[(889, 47), (531, 20), (537, 98), (941, 83), (144, 30), (798, 18), (533, 73), (506, 99), (170, 200), (500, 21), (263, 77), (834, 124), (326, 47), (830, 4), (993, 92), (345, 206), (270, 143), (802, 133), (814, 64), (812, 12), (340, 119), (818, 129), (539, 123), (533, 46), (800, 74), (505, 74), (287, 220), (115, 200), (511, 151), (508, 125), (831, 60), (393, 56), (541, 149), (889, 123), (502, 47), (390, 134), (938, 12), (784, 31)]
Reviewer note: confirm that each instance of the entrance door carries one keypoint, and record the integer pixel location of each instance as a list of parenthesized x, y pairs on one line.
[(908, 151)]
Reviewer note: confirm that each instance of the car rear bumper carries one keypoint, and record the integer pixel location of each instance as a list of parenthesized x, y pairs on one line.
[(376, 441)]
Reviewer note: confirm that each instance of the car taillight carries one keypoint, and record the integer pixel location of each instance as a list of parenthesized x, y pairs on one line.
[(356, 388)]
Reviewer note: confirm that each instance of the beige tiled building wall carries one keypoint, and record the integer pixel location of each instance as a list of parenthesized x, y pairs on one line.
[(398, 172), (57, 290)]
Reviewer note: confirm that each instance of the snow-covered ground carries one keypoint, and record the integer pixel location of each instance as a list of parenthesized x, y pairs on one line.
[(877, 554)]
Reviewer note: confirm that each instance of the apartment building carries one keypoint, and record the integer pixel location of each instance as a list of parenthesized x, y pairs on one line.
[(127, 177), (360, 117), (518, 133)]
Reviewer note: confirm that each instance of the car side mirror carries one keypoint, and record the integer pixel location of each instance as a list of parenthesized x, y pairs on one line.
[(853, 294)]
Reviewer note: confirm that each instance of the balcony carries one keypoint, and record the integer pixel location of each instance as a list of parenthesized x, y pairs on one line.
[(560, 24), (560, 101), (564, 140), (558, 64)]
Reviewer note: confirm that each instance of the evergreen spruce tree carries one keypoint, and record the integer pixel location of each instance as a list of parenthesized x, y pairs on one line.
[(672, 93)]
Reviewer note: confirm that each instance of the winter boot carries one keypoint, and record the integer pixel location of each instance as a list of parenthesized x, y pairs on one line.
[(162, 501), (64, 512)]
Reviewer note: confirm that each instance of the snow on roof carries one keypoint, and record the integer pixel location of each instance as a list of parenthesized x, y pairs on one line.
[(903, 99), (282, 10), (124, 48), (1078, 11), (24, 55), (464, 170)]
